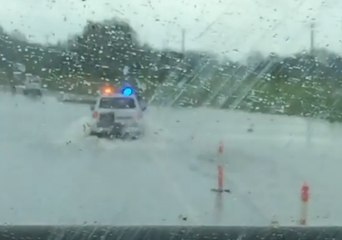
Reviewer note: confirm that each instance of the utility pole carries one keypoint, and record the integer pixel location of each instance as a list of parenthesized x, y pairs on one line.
[(183, 41), (309, 128), (47, 38), (312, 39)]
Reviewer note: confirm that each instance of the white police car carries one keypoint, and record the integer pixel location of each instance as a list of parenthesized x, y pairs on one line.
[(117, 114)]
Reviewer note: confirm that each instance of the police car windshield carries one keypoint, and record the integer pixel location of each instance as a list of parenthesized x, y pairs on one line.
[(117, 103)]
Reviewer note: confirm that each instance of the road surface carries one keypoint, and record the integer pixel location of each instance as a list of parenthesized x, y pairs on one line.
[(52, 173)]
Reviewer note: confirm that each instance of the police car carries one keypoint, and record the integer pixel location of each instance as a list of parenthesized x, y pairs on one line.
[(117, 114)]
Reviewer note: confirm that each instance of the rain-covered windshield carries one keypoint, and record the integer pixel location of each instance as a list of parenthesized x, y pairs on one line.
[(117, 103), (240, 119)]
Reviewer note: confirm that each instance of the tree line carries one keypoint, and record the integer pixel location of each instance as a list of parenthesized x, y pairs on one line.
[(110, 51)]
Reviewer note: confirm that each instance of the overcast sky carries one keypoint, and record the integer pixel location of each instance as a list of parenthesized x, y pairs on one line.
[(232, 27)]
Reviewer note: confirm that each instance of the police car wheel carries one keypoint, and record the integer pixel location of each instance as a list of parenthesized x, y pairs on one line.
[(97, 134), (93, 133)]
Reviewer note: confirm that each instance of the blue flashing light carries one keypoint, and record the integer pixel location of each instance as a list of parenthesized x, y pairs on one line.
[(127, 91)]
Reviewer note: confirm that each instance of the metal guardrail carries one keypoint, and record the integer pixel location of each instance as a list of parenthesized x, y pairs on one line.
[(168, 233), (75, 98)]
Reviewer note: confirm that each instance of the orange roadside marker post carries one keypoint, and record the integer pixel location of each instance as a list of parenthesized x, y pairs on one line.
[(304, 204), (220, 172)]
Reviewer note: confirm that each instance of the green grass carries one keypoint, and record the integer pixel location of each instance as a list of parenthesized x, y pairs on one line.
[(307, 98)]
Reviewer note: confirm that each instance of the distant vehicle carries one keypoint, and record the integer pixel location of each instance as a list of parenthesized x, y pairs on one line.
[(32, 86), (117, 114), (13, 89)]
